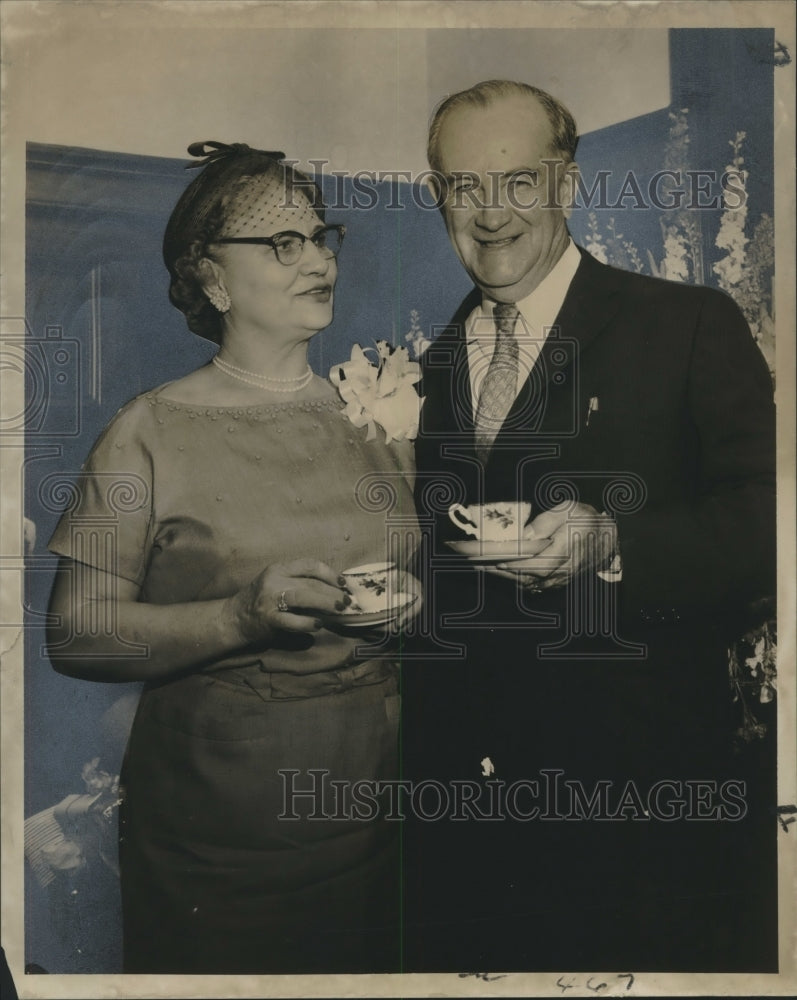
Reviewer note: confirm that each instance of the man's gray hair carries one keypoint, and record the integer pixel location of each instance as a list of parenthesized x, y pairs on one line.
[(563, 125)]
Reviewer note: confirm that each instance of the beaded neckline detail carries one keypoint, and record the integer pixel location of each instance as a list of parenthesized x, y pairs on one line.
[(294, 405)]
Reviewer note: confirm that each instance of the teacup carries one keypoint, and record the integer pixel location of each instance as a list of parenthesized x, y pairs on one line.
[(373, 586), (502, 521)]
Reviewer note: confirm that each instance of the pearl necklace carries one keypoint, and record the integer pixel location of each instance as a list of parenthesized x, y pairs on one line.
[(264, 381)]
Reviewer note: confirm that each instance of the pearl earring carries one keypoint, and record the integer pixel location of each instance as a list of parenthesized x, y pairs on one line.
[(219, 298)]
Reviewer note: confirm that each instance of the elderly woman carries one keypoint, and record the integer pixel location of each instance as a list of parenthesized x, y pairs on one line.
[(203, 555)]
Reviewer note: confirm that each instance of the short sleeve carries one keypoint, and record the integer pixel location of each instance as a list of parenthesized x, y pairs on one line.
[(108, 523)]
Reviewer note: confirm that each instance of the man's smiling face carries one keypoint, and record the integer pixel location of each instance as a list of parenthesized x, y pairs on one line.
[(504, 207)]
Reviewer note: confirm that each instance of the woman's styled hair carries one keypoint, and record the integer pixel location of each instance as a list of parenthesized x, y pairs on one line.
[(201, 214), (563, 126)]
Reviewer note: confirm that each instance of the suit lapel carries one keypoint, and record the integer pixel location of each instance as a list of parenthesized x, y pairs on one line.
[(589, 306), (591, 303)]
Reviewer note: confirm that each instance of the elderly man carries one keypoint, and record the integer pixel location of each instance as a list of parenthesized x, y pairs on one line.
[(577, 700)]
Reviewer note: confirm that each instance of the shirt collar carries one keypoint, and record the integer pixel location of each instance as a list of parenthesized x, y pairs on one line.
[(539, 309)]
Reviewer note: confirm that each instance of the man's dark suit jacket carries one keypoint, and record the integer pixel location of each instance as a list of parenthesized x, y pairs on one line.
[(651, 401)]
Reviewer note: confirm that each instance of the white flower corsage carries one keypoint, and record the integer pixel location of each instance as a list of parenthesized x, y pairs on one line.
[(382, 393)]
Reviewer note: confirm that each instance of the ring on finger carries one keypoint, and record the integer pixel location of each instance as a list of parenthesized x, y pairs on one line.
[(282, 604)]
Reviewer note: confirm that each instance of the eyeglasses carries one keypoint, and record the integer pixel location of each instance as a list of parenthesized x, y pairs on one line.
[(289, 245)]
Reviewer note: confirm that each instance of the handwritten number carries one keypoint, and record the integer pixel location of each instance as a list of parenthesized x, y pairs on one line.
[(572, 983)]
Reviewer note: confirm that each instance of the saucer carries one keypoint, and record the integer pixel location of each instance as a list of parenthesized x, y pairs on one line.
[(491, 553), (364, 619)]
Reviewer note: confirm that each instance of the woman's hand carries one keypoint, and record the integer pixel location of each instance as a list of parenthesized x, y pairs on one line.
[(151, 641), (289, 597)]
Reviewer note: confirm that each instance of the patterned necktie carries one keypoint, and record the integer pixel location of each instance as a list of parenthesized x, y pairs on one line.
[(499, 387)]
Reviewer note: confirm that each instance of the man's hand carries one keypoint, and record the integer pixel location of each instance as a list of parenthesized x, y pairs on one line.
[(582, 540)]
